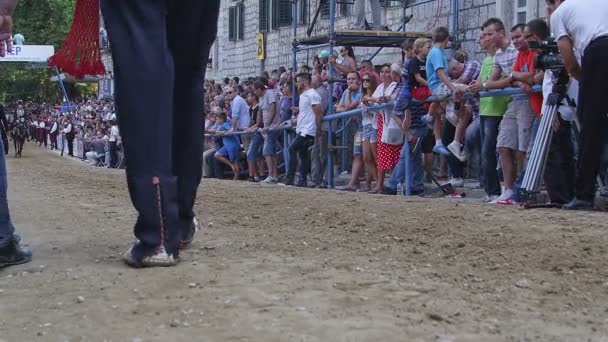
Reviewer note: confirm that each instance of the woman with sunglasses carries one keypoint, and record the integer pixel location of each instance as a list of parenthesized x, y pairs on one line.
[(370, 129)]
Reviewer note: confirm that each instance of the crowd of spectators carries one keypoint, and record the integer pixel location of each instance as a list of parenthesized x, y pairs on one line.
[(491, 136), (89, 123)]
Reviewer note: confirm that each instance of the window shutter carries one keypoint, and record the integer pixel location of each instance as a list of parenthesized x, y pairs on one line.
[(232, 23), (284, 12), (241, 22), (263, 27)]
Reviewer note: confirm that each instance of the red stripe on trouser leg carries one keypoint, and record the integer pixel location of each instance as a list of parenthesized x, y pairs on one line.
[(156, 183)]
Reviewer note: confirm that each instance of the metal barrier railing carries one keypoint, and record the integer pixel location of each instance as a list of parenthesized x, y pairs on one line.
[(380, 107)]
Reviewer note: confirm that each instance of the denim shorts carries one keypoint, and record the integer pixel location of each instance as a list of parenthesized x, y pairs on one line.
[(255, 147), (271, 143), (232, 154), (370, 133)]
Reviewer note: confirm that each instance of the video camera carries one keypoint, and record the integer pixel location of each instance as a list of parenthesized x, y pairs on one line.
[(549, 57)]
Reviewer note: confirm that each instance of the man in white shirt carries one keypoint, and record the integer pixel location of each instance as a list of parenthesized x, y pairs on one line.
[(113, 144), (42, 133), (582, 27), (240, 114), (70, 134), (308, 123), (53, 133)]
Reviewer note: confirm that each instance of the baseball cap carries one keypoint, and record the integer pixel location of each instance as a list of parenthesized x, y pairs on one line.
[(324, 54)]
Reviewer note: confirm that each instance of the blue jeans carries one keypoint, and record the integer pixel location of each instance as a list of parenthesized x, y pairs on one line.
[(489, 133), (416, 169), (6, 226), (473, 147)]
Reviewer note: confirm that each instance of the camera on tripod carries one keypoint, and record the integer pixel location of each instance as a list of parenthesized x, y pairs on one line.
[(549, 57)]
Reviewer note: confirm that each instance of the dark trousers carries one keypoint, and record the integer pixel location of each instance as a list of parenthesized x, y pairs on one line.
[(560, 168), (70, 145), (53, 137), (299, 148), (113, 153), (592, 110), (489, 134), (160, 50), (455, 166)]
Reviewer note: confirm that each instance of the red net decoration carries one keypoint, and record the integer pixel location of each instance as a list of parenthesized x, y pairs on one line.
[(80, 52)]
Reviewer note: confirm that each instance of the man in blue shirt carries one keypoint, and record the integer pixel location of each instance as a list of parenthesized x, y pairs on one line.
[(350, 100)]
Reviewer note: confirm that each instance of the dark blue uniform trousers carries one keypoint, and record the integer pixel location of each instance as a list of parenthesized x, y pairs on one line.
[(160, 50)]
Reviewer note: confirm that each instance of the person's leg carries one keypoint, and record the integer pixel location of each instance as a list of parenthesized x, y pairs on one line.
[(304, 154), (455, 167), (221, 156), (192, 29), (294, 148), (560, 167), (376, 13), (10, 252), (489, 130), (370, 166), (70, 147), (316, 161), (592, 108), (207, 162), (359, 14), (144, 81)]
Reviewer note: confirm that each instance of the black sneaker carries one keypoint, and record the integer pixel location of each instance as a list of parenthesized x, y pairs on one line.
[(388, 191), (577, 204), (187, 240), (13, 254), (252, 180)]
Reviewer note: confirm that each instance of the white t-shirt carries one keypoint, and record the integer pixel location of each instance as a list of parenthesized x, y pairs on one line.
[(572, 93), (42, 124), (371, 118), (114, 132), (307, 124), (581, 20), (240, 112)]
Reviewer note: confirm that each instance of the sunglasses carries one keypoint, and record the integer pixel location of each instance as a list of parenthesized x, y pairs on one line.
[(366, 80)]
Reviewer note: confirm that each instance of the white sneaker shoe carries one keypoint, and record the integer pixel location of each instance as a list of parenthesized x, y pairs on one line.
[(456, 182), (457, 150), (488, 198), (269, 180), (507, 194)]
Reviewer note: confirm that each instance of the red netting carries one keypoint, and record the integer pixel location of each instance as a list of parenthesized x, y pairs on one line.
[(80, 53)]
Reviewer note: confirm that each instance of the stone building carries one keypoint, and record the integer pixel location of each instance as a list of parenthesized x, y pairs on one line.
[(240, 21)]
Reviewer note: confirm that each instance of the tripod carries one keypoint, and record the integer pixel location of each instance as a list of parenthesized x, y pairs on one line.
[(535, 168)]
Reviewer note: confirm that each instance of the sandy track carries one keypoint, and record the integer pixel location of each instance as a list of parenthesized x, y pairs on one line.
[(287, 264)]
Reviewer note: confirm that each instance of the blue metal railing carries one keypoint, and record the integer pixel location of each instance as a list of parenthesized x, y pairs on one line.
[(359, 111)]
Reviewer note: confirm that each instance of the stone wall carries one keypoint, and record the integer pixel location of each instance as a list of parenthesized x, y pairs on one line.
[(238, 58)]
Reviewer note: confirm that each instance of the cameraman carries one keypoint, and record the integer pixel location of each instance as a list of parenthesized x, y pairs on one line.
[(581, 27), (559, 170)]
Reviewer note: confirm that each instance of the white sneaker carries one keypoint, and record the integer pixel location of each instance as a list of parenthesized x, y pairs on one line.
[(507, 194), (489, 198), (457, 150), (456, 182), (269, 180)]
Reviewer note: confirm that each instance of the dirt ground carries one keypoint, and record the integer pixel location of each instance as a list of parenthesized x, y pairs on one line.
[(287, 264)]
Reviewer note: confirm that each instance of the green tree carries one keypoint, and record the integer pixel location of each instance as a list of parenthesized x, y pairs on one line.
[(42, 22)]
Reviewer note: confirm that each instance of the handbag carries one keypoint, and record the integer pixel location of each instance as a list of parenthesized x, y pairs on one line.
[(391, 132)]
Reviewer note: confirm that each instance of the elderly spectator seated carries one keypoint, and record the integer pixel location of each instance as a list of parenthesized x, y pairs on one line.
[(97, 148)]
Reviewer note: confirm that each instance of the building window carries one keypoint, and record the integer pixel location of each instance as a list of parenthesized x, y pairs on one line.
[(281, 13), (303, 12), (344, 8), (236, 22), (521, 12), (264, 15)]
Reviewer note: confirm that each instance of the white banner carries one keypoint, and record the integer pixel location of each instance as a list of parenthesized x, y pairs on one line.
[(29, 53)]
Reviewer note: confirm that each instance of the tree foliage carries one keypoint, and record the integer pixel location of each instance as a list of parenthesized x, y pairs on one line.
[(42, 22)]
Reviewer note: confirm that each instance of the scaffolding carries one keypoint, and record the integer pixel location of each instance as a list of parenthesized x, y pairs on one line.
[(360, 38)]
